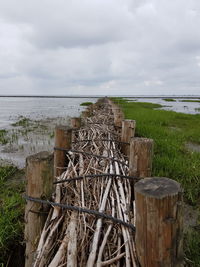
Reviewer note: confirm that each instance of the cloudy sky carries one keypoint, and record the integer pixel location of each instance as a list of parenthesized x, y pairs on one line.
[(53, 47)]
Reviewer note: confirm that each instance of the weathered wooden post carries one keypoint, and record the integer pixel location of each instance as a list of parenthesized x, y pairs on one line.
[(85, 114), (90, 109), (128, 131), (76, 122), (159, 222), (141, 156), (118, 117), (39, 175), (63, 140)]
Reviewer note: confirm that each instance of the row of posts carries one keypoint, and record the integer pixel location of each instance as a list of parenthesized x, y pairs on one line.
[(158, 201)]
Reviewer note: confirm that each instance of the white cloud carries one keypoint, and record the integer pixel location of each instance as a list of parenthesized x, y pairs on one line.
[(99, 46)]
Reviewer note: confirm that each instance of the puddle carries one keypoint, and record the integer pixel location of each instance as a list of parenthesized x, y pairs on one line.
[(193, 147)]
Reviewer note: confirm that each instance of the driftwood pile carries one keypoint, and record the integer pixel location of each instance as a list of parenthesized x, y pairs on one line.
[(71, 238)]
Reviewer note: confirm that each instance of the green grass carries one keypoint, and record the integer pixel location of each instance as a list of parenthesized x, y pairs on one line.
[(171, 131), (3, 137), (86, 104), (11, 212), (169, 99), (23, 122), (189, 100)]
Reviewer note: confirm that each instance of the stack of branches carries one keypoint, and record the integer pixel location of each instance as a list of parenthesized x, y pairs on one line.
[(72, 238)]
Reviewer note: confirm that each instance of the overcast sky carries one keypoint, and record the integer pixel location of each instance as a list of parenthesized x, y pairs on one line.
[(53, 47)]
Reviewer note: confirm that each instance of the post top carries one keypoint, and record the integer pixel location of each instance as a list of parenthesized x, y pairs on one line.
[(43, 155), (63, 127), (157, 187)]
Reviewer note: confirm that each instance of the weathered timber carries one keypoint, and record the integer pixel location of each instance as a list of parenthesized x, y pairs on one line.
[(159, 222), (39, 175), (76, 122), (63, 139), (128, 131), (118, 117), (85, 114), (141, 155)]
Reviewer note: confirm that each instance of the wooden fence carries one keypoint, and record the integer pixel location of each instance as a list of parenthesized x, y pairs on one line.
[(155, 202)]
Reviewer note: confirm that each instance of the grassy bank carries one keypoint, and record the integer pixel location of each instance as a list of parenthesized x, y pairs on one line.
[(172, 132), (86, 104), (11, 213)]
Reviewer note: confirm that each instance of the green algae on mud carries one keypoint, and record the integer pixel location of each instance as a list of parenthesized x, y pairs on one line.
[(171, 132)]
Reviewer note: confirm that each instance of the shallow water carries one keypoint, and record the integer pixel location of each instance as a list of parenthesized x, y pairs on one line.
[(38, 108), (45, 114), (177, 105)]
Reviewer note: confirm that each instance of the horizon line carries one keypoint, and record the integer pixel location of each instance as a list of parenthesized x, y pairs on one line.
[(97, 96)]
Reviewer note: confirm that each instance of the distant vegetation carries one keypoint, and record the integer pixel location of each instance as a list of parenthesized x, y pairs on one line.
[(86, 104), (171, 132), (189, 100), (169, 99)]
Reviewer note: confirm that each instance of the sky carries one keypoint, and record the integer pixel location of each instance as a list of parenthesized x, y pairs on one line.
[(100, 47)]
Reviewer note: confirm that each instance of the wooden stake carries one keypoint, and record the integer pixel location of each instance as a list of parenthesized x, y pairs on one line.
[(141, 154), (118, 117), (39, 175), (76, 122), (63, 139), (128, 131), (85, 114), (159, 222)]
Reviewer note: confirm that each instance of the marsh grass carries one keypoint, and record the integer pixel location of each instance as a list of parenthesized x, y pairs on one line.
[(189, 100), (11, 212), (3, 137), (86, 104), (23, 122), (169, 99), (171, 131)]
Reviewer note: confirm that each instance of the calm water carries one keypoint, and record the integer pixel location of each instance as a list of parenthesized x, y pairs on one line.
[(38, 108), (177, 105), (45, 114)]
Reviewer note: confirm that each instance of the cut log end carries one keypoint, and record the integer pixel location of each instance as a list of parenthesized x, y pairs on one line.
[(157, 187), (41, 156), (159, 222)]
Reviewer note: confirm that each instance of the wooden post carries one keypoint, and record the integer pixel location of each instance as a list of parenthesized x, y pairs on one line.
[(118, 117), (76, 122), (85, 114), (141, 154), (63, 139), (159, 222), (39, 175), (128, 131)]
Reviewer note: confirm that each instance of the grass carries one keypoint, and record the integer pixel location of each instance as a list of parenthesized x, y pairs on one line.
[(11, 211), (189, 100), (3, 137), (86, 104), (23, 122), (169, 99), (171, 131)]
